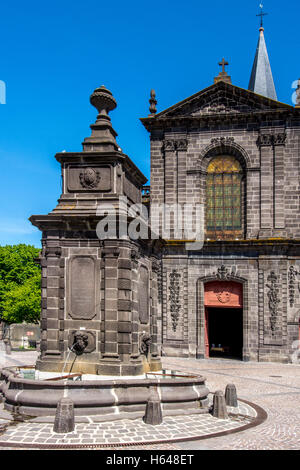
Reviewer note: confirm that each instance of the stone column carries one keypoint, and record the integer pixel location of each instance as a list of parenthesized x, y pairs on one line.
[(128, 317), (135, 304), (170, 196), (155, 362), (50, 346), (279, 202), (266, 185), (110, 361)]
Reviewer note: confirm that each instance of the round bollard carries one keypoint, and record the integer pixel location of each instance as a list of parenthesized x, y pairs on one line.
[(7, 347), (231, 395), (219, 406), (64, 417), (153, 413)]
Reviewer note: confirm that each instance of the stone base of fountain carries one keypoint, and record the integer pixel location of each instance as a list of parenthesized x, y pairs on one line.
[(107, 397), (106, 367)]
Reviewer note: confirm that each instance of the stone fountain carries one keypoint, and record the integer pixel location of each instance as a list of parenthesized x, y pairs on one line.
[(99, 293)]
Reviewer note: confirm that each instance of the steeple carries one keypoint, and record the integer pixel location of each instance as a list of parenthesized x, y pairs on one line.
[(261, 81)]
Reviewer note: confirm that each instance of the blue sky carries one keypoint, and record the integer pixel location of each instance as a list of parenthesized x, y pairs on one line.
[(54, 54)]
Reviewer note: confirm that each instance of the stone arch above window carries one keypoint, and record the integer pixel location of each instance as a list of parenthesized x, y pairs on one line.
[(223, 147)]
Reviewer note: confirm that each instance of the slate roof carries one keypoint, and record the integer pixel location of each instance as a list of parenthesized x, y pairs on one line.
[(261, 80)]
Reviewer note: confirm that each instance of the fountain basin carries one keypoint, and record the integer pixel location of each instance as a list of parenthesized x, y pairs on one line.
[(117, 397)]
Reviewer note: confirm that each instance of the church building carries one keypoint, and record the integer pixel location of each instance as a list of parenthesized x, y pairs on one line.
[(236, 152)]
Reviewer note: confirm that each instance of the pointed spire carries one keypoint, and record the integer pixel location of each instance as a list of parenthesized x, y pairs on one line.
[(261, 81)]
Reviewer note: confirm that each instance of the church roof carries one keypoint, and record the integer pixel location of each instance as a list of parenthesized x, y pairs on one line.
[(261, 80), (221, 100)]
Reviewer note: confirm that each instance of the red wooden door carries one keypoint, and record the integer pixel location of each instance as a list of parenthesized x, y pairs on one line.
[(220, 294), (206, 334)]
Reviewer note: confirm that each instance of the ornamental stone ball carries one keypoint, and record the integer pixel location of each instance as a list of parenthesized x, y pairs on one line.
[(103, 100)]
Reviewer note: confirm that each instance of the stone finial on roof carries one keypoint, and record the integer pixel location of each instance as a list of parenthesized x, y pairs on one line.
[(153, 103), (223, 76), (103, 100), (103, 136)]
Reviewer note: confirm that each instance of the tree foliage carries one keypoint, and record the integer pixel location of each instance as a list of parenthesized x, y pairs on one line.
[(20, 284)]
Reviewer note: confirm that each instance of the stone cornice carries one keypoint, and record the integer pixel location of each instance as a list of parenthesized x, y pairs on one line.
[(256, 117), (103, 159)]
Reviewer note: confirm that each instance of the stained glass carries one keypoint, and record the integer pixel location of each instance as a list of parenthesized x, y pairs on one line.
[(223, 197)]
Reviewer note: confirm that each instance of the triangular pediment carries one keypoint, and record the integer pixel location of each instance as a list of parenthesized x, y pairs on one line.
[(222, 98)]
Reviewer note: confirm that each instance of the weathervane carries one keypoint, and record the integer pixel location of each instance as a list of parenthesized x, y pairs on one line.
[(262, 14)]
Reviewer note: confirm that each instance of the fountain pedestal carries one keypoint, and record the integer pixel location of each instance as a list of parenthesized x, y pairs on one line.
[(101, 282)]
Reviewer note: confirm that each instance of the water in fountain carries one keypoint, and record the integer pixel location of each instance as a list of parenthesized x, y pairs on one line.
[(67, 359)]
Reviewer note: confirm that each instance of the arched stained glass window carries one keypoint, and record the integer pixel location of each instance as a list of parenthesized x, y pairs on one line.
[(224, 198)]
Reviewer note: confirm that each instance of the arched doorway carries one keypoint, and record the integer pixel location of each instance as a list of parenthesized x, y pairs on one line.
[(223, 301)]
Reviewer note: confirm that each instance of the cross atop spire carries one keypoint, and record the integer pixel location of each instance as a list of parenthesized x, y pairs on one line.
[(262, 14)]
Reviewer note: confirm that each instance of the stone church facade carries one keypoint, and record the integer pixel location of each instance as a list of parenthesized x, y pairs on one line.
[(238, 154), (233, 152)]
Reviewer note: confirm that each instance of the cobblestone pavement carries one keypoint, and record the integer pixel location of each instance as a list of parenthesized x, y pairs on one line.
[(274, 387), (128, 431)]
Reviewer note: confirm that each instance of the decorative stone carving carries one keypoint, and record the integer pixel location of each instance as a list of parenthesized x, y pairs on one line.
[(279, 139), (174, 288), (153, 103), (80, 342), (222, 273), (223, 297), (53, 252), (155, 266), (292, 276), (159, 286), (145, 343), (85, 338), (135, 256), (222, 140), (274, 300), (172, 145), (169, 145), (89, 178), (143, 295), (181, 145), (103, 100), (268, 140)]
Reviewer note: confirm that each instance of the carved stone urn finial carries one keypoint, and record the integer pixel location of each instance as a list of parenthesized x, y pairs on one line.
[(103, 138), (103, 100), (153, 103)]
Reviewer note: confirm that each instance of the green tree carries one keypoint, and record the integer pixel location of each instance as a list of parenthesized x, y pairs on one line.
[(20, 284)]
